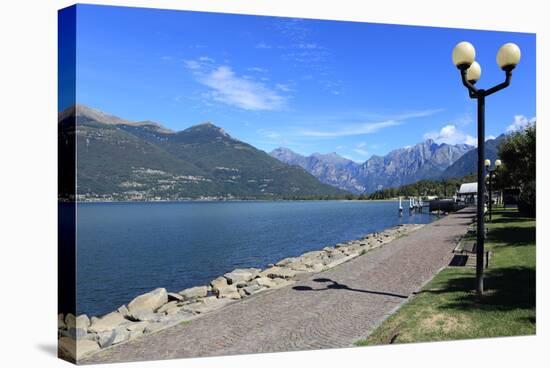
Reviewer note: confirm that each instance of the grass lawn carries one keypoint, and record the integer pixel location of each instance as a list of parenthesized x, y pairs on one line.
[(448, 309)]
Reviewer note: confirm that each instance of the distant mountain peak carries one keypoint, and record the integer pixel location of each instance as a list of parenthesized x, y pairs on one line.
[(424, 160), (207, 126), (86, 112), (283, 149)]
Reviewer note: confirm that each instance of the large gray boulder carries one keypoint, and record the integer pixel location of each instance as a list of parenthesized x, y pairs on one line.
[(298, 265), (167, 306), (194, 292), (264, 281), (229, 291), (240, 276), (148, 302), (107, 322), (124, 311), (147, 316), (253, 289), (218, 283), (175, 296), (136, 329), (278, 272), (285, 261)]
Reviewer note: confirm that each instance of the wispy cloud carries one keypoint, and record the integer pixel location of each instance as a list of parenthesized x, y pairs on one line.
[(361, 151), (226, 86), (520, 122), (362, 128), (229, 88), (206, 59), (450, 134), (416, 114), (351, 130), (192, 64)]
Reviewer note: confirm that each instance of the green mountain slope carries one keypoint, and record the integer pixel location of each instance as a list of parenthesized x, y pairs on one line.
[(239, 168), (118, 159)]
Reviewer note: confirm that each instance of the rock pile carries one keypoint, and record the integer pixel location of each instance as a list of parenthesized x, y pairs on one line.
[(80, 336)]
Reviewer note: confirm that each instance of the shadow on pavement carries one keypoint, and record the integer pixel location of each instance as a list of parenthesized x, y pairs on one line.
[(337, 286)]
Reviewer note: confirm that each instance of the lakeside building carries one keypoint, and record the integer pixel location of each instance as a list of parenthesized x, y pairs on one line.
[(468, 193)]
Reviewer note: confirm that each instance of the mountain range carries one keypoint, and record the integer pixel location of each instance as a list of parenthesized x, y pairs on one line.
[(121, 159), (467, 164), (426, 160)]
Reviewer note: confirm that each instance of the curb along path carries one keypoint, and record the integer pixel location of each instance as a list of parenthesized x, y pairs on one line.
[(331, 309)]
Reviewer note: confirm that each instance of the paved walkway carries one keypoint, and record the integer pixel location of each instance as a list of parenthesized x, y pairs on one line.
[(329, 310)]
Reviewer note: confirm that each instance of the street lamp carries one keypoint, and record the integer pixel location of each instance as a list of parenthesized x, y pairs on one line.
[(464, 55), (490, 177)]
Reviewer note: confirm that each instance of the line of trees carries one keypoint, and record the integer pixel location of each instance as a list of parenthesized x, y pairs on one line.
[(423, 188), (518, 155)]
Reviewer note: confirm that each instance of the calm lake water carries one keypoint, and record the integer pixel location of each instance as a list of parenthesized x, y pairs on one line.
[(126, 249)]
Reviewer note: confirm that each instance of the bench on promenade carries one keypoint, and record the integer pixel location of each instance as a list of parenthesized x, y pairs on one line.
[(465, 254)]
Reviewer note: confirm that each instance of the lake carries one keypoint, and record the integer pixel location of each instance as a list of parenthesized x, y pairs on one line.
[(126, 249)]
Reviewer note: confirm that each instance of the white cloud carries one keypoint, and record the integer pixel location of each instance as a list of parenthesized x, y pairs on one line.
[(520, 122), (370, 127), (489, 137), (206, 59), (417, 114), (192, 64), (450, 134), (229, 88), (358, 129), (246, 94), (360, 151)]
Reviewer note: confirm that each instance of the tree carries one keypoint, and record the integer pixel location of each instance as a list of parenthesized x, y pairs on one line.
[(518, 155)]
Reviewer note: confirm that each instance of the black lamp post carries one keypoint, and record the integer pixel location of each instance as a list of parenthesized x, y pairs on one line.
[(490, 177), (508, 57)]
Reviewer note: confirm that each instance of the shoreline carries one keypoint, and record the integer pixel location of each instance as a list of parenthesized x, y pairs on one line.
[(229, 200), (160, 309)]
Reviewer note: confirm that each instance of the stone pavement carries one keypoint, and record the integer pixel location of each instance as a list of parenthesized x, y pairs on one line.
[(331, 309)]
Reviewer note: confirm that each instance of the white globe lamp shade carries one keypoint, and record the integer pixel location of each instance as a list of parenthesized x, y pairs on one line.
[(508, 56), (474, 72), (464, 53), (498, 163), (487, 163)]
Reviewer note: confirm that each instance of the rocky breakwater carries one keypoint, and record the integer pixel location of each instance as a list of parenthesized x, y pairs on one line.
[(80, 336)]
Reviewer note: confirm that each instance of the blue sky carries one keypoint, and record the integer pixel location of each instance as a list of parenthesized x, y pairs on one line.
[(357, 89)]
